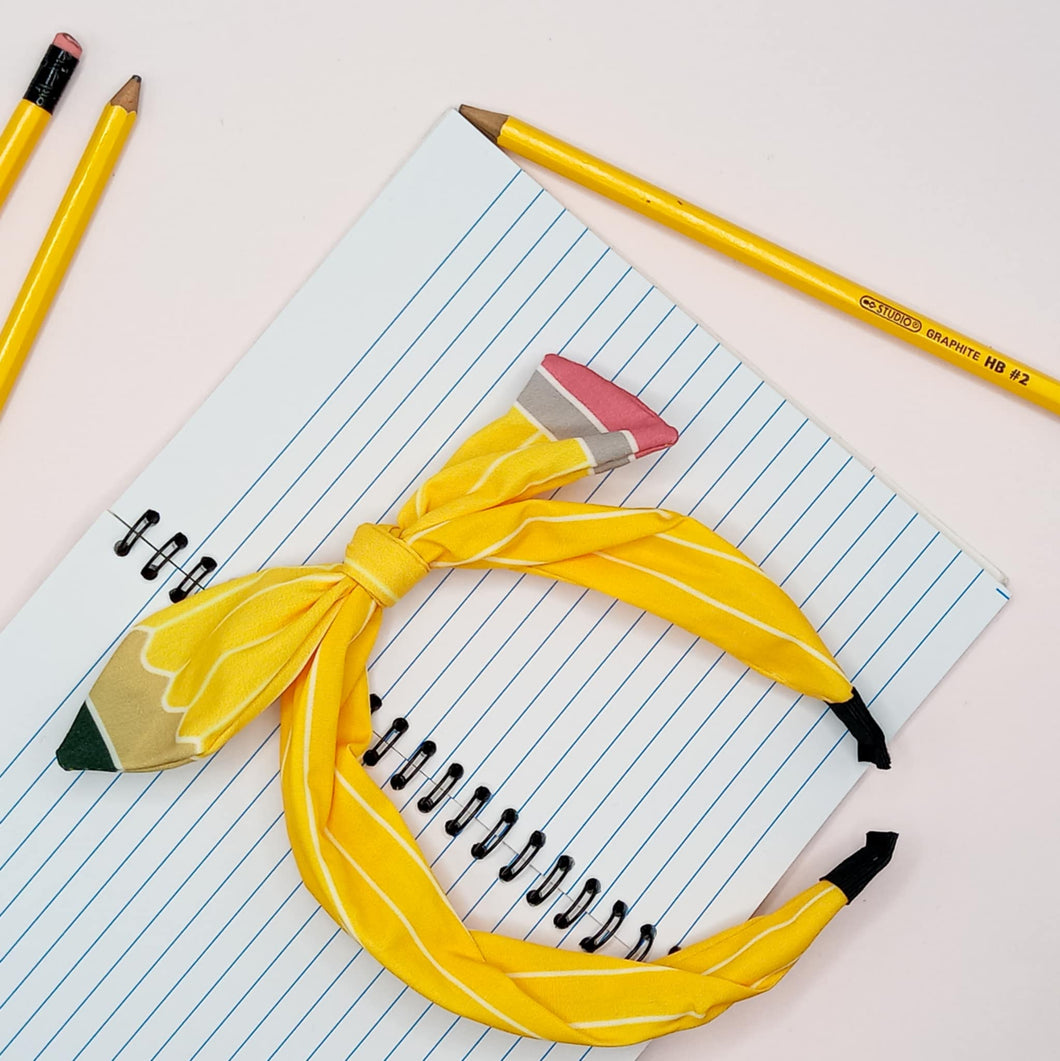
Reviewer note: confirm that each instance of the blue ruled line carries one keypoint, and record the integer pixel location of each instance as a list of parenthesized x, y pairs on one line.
[(40, 821), (597, 260), (421, 606), (568, 296), (158, 913), (827, 754), (267, 468), (84, 953)]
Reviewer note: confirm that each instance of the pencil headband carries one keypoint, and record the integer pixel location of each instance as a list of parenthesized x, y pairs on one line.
[(187, 678)]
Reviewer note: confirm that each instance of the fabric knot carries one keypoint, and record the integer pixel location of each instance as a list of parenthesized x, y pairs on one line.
[(383, 563)]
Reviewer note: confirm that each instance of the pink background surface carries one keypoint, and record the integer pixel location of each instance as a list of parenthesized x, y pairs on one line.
[(912, 147)]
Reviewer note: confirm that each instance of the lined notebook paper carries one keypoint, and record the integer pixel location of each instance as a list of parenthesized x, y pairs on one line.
[(161, 915)]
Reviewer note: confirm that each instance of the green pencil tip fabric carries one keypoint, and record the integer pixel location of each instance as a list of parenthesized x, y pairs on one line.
[(83, 747)]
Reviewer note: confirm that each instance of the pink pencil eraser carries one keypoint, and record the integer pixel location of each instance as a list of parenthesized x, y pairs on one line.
[(67, 44)]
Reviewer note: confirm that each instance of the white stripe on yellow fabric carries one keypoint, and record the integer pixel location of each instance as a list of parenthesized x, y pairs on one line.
[(735, 612), (224, 721), (514, 561), (239, 585), (580, 466), (325, 873), (413, 853), (371, 583), (414, 936), (775, 975), (531, 440), (183, 709), (490, 549), (742, 561), (490, 469), (419, 499), (548, 974), (286, 749), (637, 1020), (534, 422), (311, 815), (767, 932), (197, 604), (584, 446)]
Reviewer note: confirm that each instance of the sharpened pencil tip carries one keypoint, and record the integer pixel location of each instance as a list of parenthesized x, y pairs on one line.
[(83, 748), (489, 123), (128, 96)]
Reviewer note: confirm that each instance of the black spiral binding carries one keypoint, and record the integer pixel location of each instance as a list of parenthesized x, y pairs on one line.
[(386, 741), (607, 929), (136, 532), (193, 579), (520, 861), (164, 554), (553, 879), (549, 884), (509, 816), (590, 890), (479, 798), (642, 947), (444, 785), (413, 766)]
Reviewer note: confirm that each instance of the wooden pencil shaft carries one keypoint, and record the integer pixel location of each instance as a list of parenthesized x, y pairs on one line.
[(18, 142), (61, 241), (770, 258)]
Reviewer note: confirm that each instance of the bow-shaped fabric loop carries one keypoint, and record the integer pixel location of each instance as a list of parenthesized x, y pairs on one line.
[(184, 680)]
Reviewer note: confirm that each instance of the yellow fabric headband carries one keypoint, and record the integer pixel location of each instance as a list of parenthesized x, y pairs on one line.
[(187, 678)]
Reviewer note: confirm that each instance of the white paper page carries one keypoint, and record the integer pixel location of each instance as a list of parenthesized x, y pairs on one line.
[(684, 784), (165, 917)]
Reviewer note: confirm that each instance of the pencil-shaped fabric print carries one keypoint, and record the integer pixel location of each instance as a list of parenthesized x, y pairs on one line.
[(184, 680)]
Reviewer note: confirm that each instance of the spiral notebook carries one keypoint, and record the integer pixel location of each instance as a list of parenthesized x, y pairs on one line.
[(161, 916)]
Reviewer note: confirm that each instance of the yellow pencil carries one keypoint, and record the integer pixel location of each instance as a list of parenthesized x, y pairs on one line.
[(67, 227), (860, 302), (34, 110)]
